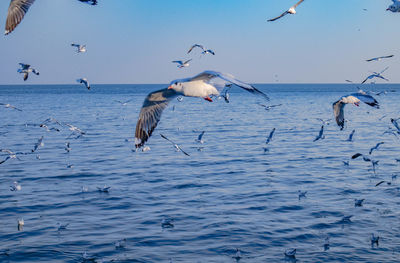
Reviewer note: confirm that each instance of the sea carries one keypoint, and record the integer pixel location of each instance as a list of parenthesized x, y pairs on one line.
[(86, 195)]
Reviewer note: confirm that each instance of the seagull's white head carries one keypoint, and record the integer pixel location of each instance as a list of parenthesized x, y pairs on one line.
[(177, 86), (292, 11)]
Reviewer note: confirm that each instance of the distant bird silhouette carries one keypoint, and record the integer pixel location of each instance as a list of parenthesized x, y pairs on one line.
[(379, 58), (182, 64), (291, 10), (85, 82), (376, 75), (79, 48)]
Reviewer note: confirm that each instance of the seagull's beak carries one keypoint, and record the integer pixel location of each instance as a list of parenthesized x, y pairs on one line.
[(357, 104), (170, 87)]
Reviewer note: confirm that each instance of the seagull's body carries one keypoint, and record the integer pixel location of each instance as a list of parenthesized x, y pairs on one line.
[(375, 75), (395, 7), (379, 58), (85, 82), (291, 10), (201, 86), (182, 64), (355, 98), (79, 48)]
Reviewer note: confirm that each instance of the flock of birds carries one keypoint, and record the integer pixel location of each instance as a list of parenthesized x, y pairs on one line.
[(206, 85)]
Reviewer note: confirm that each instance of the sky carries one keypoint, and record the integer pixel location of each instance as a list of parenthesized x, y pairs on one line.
[(134, 41)]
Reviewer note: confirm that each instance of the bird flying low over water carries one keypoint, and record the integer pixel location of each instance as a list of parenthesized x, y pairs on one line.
[(355, 98), (177, 147), (85, 82), (320, 134), (202, 86), (18, 9), (291, 11), (375, 147), (182, 64), (395, 7), (7, 105), (379, 58), (376, 75)]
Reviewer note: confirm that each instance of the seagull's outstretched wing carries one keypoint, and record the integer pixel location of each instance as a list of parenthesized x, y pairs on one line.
[(298, 3), (367, 99), (194, 46), (26, 75), (276, 18), (150, 114), (178, 62), (338, 111), (209, 75), (16, 12)]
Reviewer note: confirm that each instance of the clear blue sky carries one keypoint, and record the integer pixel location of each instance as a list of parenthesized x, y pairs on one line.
[(134, 41)]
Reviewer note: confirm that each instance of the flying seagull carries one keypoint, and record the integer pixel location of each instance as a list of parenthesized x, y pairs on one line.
[(271, 135), (376, 75), (79, 48), (123, 103), (7, 105), (182, 64), (355, 98), (204, 52), (200, 138), (177, 147), (395, 7), (26, 69), (375, 148), (350, 139), (291, 11), (379, 58), (201, 86), (38, 144), (85, 82), (320, 134), (18, 9)]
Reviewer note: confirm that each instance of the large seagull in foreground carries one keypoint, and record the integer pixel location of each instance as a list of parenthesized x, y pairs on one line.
[(355, 98), (204, 85), (291, 11), (18, 9)]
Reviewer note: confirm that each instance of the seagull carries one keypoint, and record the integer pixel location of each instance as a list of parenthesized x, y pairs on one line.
[(290, 252), (15, 187), (200, 138), (201, 86), (269, 107), (182, 64), (18, 9), (374, 240), (177, 147), (84, 81), (204, 52), (320, 135), (358, 202), (9, 106), (38, 144), (11, 155), (381, 182), (395, 124), (355, 98), (21, 224), (238, 255), (26, 69), (167, 223), (302, 194), (355, 156), (350, 139), (79, 48), (395, 7), (346, 219), (120, 243), (62, 227), (75, 130), (90, 2), (67, 147), (123, 103), (375, 148), (291, 11), (379, 58), (271, 134), (376, 75), (104, 189)]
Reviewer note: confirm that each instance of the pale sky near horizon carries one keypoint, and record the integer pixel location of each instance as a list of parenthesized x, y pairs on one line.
[(134, 41)]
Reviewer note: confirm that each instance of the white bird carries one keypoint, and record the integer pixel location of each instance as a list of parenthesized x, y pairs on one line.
[(123, 103), (9, 106), (15, 187), (79, 48), (26, 69), (200, 138), (204, 52), (291, 11), (21, 224), (177, 147), (320, 134), (38, 144), (379, 58), (182, 64), (85, 82), (355, 98), (202, 86), (376, 75), (290, 252), (395, 7)]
